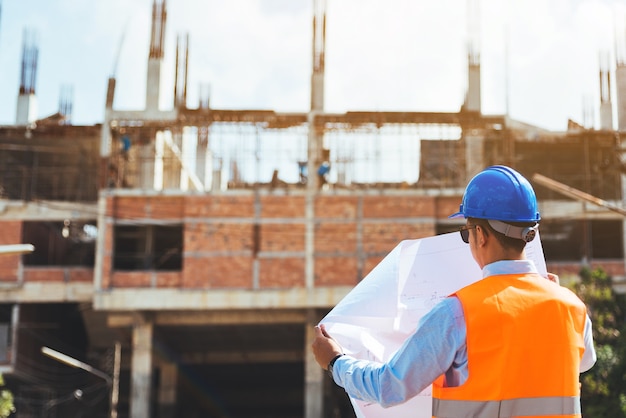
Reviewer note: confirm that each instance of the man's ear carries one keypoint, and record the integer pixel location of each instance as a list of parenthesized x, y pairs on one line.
[(481, 236)]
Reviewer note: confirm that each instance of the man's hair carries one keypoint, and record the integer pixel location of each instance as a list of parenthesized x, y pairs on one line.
[(506, 242)]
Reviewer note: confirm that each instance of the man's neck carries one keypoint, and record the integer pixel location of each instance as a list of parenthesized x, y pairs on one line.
[(497, 253)]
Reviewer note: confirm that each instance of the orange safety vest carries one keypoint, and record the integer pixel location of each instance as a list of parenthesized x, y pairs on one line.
[(524, 346)]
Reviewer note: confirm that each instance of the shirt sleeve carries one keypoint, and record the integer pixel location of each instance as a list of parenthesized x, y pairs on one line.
[(427, 354), (589, 356)]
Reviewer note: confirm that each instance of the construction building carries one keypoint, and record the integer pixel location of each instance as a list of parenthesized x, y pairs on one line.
[(182, 267)]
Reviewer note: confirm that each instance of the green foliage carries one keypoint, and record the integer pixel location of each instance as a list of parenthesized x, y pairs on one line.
[(603, 391), (6, 401)]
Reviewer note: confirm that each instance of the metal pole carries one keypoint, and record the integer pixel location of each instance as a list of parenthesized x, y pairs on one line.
[(72, 362), (16, 249)]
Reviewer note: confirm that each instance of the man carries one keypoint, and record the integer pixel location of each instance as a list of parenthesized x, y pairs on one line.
[(511, 344)]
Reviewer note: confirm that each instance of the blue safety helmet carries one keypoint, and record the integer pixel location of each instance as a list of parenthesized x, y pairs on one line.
[(499, 193)]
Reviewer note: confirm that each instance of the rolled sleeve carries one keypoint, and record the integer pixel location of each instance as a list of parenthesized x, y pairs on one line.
[(430, 352), (589, 356)]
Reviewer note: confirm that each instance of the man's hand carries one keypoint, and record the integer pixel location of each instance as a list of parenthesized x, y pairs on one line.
[(553, 278), (325, 348)]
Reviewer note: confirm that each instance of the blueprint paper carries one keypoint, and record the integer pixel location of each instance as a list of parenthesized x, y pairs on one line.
[(373, 320)]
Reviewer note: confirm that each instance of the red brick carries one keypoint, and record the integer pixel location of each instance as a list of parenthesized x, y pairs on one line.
[(145, 207), (230, 272), (218, 272), (282, 237), (165, 207), (447, 205), (106, 271), (210, 206), (282, 272), (335, 237), (208, 243), (38, 274), (201, 237), (80, 275), (132, 279), (125, 207), (169, 279), (9, 267), (336, 271), (383, 237), (195, 273), (336, 207), (371, 262), (11, 232), (398, 206), (108, 236), (282, 207)]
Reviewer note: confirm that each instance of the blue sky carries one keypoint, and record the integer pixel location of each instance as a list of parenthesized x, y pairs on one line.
[(381, 55)]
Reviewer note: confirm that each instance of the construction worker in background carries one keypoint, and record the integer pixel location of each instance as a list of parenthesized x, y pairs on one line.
[(322, 173), (511, 344)]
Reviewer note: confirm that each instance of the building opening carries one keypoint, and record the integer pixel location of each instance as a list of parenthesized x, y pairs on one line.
[(148, 247)]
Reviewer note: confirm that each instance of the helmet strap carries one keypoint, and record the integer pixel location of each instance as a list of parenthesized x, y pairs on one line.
[(525, 233)]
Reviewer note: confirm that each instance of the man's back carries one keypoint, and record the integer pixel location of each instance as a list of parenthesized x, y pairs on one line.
[(524, 347)]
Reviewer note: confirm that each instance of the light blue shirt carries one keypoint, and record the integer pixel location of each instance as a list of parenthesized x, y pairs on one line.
[(437, 347)]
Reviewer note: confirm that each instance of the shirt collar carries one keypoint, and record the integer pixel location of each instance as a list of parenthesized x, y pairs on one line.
[(509, 267)]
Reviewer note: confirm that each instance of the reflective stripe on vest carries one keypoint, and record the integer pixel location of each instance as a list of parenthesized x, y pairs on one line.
[(521, 407)]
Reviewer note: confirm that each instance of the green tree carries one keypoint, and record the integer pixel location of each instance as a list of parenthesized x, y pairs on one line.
[(603, 390), (6, 401)]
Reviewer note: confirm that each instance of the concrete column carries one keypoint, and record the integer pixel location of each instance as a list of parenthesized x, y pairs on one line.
[(153, 84), (189, 147), (26, 109), (606, 116), (105, 143), (314, 151), (313, 374), (100, 244), (147, 155), (473, 100), (167, 390), (474, 144), (204, 168), (620, 76), (171, 164), (141, 370)]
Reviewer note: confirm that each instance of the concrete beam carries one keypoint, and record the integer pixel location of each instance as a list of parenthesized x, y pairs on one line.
[(313, 373), (243, 317), (42, 292), (239, 357), (141, 373), (572, 210), (46, 210), (573, 193), (214, 299), (132, 117)]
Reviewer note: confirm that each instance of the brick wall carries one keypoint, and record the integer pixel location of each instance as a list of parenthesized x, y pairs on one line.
[(9, 264), (12, 269), (57, 274), (259, 242), (247, 241)]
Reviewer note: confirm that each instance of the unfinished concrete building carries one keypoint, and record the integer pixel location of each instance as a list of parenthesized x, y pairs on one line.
[(188, 253)]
